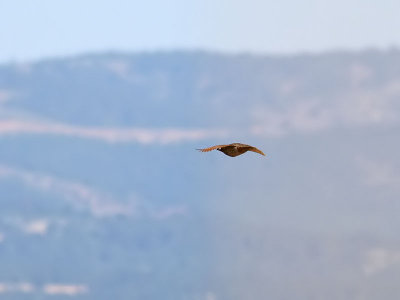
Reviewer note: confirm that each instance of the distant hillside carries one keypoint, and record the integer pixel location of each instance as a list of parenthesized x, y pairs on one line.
[(196, 89), (103, 195)]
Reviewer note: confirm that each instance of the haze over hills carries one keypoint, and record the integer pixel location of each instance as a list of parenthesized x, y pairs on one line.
[(103, 195)]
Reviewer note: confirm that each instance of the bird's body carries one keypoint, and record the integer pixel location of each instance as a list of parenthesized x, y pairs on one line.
[(233, 150)]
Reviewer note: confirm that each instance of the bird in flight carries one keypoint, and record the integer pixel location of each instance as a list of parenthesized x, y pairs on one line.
[(233, 150)]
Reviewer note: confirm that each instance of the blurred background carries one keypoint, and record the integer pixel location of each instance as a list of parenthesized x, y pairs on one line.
[(103, 195)]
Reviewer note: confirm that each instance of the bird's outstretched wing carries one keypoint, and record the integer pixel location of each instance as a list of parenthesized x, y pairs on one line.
[(254, 149), (211, 148)]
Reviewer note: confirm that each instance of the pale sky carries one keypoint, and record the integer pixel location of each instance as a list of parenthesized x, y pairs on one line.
[(36, 29)]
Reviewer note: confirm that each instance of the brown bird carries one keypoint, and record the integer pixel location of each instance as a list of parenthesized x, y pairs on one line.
[(233, 150)]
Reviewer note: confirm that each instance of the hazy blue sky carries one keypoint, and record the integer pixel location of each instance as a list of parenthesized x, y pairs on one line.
[(34, 29)]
